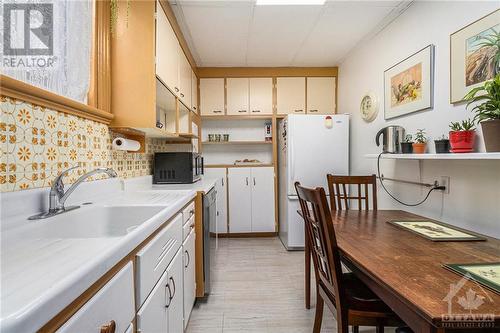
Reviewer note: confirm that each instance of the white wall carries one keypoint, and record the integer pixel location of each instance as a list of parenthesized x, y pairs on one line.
[(474, 199)]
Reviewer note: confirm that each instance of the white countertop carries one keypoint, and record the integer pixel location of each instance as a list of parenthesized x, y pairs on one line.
[(145, 183), (41, 276)]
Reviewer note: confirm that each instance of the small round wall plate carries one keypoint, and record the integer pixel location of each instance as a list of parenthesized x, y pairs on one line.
[(369, 107)]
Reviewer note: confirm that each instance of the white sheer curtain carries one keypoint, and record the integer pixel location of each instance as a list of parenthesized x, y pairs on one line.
[(69, 74)]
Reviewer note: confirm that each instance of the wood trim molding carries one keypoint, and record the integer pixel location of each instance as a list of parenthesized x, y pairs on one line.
[(26, 92), (102, 55), (217, 72), (178, 32)]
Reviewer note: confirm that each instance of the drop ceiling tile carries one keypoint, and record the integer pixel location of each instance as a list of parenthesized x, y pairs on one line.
[(277, 33)]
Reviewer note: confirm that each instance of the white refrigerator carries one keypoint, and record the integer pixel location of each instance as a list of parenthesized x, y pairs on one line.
[(310, 147)]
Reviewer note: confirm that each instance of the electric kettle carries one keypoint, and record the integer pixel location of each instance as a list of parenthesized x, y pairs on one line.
[(393, 136)]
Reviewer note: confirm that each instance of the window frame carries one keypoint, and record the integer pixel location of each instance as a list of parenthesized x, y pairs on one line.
[(98, 107)]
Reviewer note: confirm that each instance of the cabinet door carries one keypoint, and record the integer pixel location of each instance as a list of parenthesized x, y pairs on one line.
[(261, 96), (240, 200), (321, 95), (175, 293), (167, 57), (212, 96), (113, 302), (189, 276), (237, 96), (220, 226), (194, 92), (291, 95), (153, 315), (185, 79), (263, 219)]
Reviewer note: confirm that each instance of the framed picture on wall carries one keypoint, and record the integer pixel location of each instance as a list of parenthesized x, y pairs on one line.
[(474, 55), (409, 85)]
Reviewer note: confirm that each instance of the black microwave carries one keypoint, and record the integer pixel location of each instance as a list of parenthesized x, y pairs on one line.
[(177, 168)]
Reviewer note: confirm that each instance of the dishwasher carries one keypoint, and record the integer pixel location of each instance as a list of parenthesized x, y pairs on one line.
[(209, 242)]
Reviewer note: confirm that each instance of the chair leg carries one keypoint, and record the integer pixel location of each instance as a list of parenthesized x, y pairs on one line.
[(307, 286), (379, 329), (318, 318), (355, 329)]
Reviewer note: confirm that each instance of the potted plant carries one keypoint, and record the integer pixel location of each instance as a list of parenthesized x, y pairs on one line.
[(462, 136), (442, 145), (487, 111), (407, 144), (420, 142)]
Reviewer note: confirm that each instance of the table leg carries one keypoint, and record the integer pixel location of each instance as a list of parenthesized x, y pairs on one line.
[(307, 253)]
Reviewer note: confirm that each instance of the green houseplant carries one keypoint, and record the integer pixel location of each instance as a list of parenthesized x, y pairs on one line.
[(462, 136), (486, 100), (420, 142), (442, 145), (407, 144)]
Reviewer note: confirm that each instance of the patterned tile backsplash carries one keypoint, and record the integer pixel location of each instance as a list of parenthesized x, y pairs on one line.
[(38, 143)]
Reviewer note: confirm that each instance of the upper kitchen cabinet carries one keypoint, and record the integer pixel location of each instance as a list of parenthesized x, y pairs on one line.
[(212, 96), (168, 58), (194, 92), (261, 96), (184, 78), (237, 96), (151, 73), (321, 95), (291, 95)]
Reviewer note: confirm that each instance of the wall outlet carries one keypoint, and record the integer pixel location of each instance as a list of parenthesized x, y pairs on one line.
[(445, 181)]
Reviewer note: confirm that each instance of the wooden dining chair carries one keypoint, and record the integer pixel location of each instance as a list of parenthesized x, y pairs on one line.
[(339, 185), (350, 300)]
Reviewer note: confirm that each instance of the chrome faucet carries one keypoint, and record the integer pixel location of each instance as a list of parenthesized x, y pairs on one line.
[(57, 196)]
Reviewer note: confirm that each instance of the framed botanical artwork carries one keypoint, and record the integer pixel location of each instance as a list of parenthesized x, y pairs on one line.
[(409, 85), (487, 274), (437, 232), (474, 55)]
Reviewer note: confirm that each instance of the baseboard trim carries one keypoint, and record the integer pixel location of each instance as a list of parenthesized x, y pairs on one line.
[(245, 234)]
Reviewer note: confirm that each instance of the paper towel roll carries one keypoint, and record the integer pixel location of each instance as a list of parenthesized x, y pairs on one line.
[(126, 144)]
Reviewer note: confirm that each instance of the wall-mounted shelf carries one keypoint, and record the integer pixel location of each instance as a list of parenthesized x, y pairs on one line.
[(237, 142), (450, 156)]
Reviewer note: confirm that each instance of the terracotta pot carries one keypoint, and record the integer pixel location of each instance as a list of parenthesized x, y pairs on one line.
[(419, 148), (462, 141), (491, 135)]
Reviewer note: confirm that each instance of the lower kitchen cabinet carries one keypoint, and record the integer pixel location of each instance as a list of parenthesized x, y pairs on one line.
[(163, 309), (112, 305), (251, 199), (220, 225), (189, 276)]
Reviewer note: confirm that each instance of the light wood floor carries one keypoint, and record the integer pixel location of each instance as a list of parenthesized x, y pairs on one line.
[(257, 287)]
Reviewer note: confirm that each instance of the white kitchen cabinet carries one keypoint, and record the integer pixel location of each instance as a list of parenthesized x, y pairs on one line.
[(321, 95), (261, 96), (291, 95), (167, 56), (113, 302), (237, 96), (212, 96), (263, 219), (175, 292), (184, 78), (240, 200), (220, 225), (194, 92), (152, 317), (251, 199), (189, 275)]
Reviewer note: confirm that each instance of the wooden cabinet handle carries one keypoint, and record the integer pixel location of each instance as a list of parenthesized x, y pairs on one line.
[(298, 111), (217, 111), (182, 95), (255, 111), (176, 89), (242, 111), (313, 110), (109, 327)]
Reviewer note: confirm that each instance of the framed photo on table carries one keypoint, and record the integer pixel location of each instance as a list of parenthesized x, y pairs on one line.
[(409, 85), (474, 56)]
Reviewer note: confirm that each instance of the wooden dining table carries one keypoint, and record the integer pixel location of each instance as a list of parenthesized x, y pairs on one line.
[(406, 271)]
